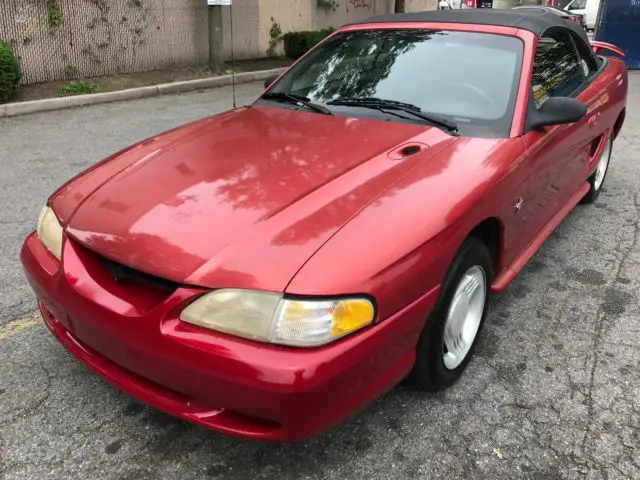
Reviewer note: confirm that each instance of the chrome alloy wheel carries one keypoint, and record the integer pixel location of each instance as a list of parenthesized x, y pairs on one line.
[(603, 164), (464, 317)]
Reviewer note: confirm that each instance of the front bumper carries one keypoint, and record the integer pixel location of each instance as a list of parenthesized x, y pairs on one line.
[(133, 339)]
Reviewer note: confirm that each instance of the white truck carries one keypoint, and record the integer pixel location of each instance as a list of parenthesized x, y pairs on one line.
[(588, 8)]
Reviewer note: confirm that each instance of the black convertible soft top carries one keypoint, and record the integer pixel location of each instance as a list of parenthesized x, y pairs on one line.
[(536, 21)]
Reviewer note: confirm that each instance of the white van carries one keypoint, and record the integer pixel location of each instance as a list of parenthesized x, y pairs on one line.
[(588, 8)]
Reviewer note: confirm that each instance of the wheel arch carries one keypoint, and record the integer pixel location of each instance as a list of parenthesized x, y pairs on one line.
[(619, 122), (490, 231)]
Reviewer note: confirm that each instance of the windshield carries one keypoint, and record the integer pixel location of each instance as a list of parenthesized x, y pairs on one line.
[(469, 78)]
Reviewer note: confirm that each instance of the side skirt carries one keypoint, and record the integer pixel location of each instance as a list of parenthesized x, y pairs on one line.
[(508, 274)]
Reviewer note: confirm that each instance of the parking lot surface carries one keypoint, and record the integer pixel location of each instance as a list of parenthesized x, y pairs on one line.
[(553, 391)]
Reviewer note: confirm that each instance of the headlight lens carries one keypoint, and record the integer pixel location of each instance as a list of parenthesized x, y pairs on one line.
[(50, 232), (268, 317)]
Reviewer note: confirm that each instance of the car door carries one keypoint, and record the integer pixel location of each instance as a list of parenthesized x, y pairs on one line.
[(557, 156)]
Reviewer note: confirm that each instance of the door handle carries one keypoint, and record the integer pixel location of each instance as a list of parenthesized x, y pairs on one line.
[(593, 119)]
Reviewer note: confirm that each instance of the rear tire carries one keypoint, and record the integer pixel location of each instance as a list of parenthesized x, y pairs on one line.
[(448, 339), (597, 179)]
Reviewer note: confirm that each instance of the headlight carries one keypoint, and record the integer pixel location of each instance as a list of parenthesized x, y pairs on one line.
[(268, 317), (50, 232)]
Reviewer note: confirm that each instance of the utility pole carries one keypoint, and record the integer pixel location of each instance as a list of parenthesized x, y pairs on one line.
[(216, 39)]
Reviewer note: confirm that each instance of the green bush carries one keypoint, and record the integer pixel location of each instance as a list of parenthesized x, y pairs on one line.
[(297, 44), (10, 73)]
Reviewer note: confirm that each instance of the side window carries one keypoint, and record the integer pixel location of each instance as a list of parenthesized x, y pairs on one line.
[(557, 69), (587, 61)]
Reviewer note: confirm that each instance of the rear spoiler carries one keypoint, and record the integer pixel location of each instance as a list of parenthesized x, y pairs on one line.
[(598, 46)]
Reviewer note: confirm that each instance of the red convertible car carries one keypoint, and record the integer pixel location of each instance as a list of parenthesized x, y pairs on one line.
[(268, 271)]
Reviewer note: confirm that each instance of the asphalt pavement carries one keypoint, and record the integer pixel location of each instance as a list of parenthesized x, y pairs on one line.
[(553, 392)]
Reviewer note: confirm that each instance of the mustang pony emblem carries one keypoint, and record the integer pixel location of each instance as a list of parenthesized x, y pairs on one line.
[(518, 204)]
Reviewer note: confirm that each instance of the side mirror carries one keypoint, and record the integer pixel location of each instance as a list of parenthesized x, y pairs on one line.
[(270, 80), (558, 111)]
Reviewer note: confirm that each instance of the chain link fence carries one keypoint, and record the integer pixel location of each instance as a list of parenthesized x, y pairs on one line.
[(67, 39)]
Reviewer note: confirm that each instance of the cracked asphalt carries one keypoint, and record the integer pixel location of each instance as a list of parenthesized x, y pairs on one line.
[(553, 391)]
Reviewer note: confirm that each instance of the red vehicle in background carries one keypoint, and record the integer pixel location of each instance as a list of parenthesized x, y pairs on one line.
[(268, 271)]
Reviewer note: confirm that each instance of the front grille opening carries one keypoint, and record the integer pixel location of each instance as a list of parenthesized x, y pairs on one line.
[(128, 276)]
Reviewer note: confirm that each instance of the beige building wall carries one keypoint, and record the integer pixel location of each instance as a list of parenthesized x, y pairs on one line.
[(246, 30), (290, 15), (295, 15), (420, 5), (349, 11)]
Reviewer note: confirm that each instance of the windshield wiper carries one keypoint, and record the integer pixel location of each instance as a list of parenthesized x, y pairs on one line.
[(382, 105), (297, 100)]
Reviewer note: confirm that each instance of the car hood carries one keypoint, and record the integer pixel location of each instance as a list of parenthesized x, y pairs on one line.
[(240, 200)]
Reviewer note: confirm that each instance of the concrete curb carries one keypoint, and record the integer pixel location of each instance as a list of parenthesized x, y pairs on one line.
[(45, 105)]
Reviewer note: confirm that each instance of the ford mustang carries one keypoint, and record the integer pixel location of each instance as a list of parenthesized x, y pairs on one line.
[(270, 270)]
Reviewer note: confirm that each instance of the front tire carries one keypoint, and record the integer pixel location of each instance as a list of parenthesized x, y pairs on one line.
[(448, 339), (597, 179)]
